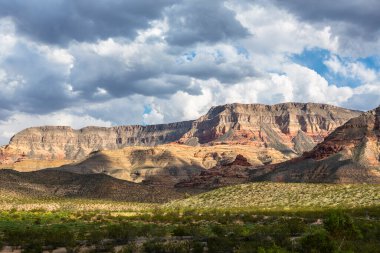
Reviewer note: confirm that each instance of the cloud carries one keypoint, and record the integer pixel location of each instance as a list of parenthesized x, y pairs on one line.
[(351, 69), (60, 22), (223, 62), (355, 22), (144, 62), (33, 78), (359, 13), (365, 97), (19, 121), (197, 21)]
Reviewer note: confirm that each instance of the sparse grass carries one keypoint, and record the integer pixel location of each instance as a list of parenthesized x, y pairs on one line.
[(284, 196), (12, 201)]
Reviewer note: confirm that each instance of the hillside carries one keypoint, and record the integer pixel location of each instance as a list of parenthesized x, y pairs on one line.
[(284, 196), (50, 184), (350, 154), (168, 164)]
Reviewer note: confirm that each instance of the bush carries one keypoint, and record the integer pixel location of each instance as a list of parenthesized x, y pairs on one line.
[(318, 241), (341, 225), (60, 236), (121, 232), (173, 247), (181, 231)]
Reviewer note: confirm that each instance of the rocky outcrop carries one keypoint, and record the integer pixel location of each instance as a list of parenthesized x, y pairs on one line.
[(350, 154), (289, 128), (223, 174), (62, 142)]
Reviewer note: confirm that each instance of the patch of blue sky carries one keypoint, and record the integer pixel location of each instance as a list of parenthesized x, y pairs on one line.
[(371, 62), (190, 56), (186, 57), (218, 56), (242, 51), (147, 109), (315, 58)]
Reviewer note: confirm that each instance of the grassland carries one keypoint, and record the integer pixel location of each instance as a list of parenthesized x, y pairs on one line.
[(257, 217), (10, 201), (284, 196)]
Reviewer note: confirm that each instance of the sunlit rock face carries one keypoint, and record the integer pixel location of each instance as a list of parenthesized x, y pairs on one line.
[(290, 128), (350, 154)]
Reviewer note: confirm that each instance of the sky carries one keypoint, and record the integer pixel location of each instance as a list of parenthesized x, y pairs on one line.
[(117, 62)]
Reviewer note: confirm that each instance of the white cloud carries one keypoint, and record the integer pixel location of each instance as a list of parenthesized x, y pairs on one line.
[(20, 121), (355, 70), (7, 37), (276, 33), (154, 116)]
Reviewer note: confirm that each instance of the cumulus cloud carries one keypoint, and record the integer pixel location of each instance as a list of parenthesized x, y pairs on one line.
[(20, 121), (350, 69), (60, 22), (33, 78), (198, 21), (355, 22)]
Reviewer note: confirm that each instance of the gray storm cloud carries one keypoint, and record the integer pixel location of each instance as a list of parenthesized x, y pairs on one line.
[(62, 21)]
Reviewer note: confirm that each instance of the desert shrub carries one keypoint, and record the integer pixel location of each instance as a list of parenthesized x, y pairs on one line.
[(339, 224), (129, 248), (318, 241), (96, 235), (59, 235), (181, 231), (273, 249), (218, 230), (296, 226), (370, 230), (221, 244), (121, 232), (33, 247), (172, 247), (248, 247)]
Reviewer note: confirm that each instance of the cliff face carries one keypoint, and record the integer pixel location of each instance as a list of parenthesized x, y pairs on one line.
[(290, 128), (350, 154), (61, 142), (358, 140)]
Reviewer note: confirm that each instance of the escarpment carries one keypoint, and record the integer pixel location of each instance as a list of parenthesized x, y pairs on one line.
[(350, 154), (62, 142), (290, 128)]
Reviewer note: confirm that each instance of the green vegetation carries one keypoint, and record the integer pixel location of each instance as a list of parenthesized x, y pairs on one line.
[(219, 226), (285, 196), (12, 201)]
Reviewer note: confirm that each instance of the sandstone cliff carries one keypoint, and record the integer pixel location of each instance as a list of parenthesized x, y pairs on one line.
[(65, 143), (290, 128), (350, 154)]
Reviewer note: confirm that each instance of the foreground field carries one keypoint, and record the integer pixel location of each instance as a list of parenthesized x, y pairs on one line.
[(257, 217)]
